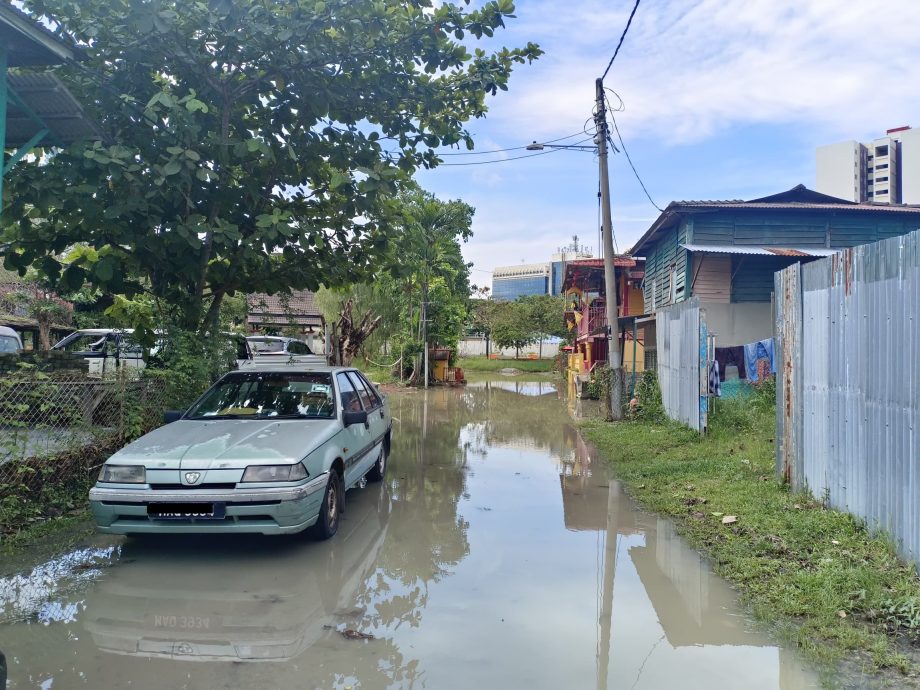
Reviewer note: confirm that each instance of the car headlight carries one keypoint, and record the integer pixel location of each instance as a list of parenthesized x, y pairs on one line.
[(123, 474), (275, 473)]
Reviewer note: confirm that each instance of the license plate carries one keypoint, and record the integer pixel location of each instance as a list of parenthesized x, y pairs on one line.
[(187, 511)]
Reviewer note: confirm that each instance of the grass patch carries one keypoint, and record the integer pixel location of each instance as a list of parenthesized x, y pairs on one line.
[(816, 574), (477, 364)]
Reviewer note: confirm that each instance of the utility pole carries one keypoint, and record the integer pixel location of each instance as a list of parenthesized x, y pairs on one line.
[(612, 301)]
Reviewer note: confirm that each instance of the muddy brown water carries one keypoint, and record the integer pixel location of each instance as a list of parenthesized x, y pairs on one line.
[(498, 553)]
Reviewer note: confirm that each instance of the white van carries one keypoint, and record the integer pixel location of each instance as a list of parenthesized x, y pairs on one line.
[(274, 348), (10, 342)]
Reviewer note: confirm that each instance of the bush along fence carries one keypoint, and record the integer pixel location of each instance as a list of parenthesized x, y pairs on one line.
[(848, 389), (57, 427)]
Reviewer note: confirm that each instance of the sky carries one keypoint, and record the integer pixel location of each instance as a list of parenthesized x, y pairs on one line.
[(723, 100)]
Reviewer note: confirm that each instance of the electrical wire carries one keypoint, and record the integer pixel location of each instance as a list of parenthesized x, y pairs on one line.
[(512, 148), (514, 158), (622, 37)]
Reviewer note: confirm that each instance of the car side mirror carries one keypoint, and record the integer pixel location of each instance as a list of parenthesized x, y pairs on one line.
[(350, 418), (171, 416)]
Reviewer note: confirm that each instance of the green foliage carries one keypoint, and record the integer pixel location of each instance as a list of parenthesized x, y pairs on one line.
[(424, 253), (512, 326), (249, 146), (188, 364), (483, 364), (647, 395)]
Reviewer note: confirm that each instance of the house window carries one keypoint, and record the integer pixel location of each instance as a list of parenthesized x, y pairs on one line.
[(883, 166), (881, 150), (880, 192), (881, 179)]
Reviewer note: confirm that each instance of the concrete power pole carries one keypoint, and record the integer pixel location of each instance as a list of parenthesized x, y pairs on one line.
[(612, 299)]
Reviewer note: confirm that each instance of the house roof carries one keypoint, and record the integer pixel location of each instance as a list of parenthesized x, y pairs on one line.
[(45, 96), (297, 308), (799, 198), (591, 270), (29, 43), (762, 251)]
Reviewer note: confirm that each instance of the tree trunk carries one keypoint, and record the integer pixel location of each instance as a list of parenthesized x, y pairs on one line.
[(44, 332), (541, 348)]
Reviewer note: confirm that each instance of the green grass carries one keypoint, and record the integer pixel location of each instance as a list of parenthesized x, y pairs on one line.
[(816, 574), (477, 364)]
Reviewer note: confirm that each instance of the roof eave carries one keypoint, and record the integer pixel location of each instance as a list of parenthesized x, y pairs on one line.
[(39, 36)]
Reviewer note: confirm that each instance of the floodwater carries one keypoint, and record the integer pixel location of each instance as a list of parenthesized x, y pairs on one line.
[(498, 553)]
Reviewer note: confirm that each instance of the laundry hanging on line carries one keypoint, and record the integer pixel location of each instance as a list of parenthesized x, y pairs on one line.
[(758, 359), (715, 383), (726, 356)]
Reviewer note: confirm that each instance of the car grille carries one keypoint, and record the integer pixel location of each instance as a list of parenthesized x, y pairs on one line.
[(179, 487)]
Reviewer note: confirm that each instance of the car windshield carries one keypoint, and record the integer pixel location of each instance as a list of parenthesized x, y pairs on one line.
[(8, 343), (263, 346), (268, 394)]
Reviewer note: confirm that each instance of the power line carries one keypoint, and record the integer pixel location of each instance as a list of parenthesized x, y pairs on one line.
[(512, 148), (513, 158), (622, 36)]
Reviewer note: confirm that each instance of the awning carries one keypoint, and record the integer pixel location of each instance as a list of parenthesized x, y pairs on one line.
[(758, 251), (41, 107)]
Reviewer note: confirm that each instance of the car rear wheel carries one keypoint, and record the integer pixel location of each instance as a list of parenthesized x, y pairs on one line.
[(328, 523), (380, 467)]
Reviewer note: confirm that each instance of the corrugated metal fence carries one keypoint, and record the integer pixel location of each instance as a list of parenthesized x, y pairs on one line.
[(681, 340), (848, 393)]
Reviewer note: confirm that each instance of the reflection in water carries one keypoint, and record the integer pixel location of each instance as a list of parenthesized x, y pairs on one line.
[(466, 568)]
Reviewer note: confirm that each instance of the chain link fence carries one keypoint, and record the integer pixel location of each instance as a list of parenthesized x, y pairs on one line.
[(57, 428)]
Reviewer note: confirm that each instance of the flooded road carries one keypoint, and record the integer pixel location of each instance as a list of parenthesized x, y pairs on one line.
[(498, 553)]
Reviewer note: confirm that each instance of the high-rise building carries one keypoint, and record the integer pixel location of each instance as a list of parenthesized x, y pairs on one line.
[(885, 170), (511, 282)]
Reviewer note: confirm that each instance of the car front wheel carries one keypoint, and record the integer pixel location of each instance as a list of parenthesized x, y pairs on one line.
[(328, 523)]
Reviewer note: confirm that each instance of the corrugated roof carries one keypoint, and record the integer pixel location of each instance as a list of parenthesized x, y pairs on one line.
[(298, 303), (799, 198), (29, 42), (49, 99), (760, 251)]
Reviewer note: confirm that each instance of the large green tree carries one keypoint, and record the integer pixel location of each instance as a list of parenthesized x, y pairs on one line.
[(422, 270), (247, 145)]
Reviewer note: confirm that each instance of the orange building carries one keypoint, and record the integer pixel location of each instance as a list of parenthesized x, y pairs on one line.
[(586, 311)]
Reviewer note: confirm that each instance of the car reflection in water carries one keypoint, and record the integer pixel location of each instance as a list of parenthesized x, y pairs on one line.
[(237, 598)]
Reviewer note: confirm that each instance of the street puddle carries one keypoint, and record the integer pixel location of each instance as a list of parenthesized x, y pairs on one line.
[(498, 553)]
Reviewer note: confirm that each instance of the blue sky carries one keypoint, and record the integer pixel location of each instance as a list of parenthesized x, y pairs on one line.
[(723, 100)]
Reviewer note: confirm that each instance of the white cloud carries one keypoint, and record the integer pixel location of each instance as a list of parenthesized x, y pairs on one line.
[(688, 72)]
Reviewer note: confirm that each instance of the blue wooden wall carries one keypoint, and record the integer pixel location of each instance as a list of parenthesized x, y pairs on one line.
[(763, 228)]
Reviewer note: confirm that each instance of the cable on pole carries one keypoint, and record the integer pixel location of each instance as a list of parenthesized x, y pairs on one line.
[(622, 37)]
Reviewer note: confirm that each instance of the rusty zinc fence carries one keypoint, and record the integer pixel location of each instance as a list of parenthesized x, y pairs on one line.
[(847, 333), (681, 342)]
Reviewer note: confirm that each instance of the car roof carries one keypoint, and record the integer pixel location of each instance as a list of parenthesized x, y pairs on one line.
[(282, 338), (6, 330), (293, 368)]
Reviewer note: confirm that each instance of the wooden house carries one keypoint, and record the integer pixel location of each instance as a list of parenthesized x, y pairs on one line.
[(726, 252)]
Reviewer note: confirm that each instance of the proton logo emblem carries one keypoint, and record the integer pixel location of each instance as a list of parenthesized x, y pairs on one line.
[(192, 477), (184, 648)]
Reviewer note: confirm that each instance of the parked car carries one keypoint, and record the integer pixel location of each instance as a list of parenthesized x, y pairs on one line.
[(9, 340), (107, 349), (268, 449), (267, 348)]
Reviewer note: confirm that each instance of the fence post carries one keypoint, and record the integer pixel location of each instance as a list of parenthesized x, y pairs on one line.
[(787, 338)]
